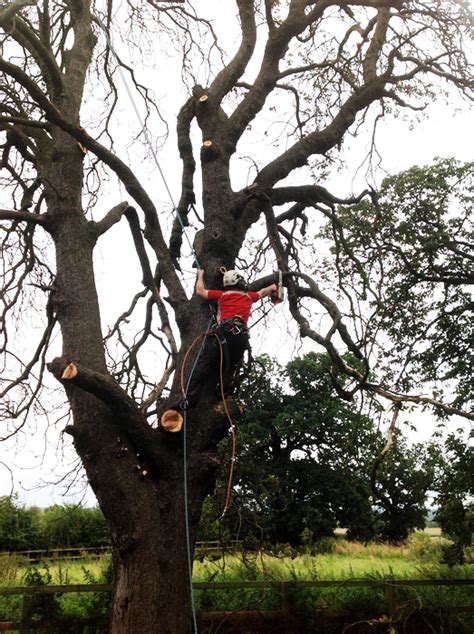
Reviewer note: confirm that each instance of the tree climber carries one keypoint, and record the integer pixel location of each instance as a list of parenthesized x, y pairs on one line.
[(231, 335), (234, 304)]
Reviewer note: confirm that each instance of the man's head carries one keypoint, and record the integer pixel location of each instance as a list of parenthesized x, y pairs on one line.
[(235, 280)]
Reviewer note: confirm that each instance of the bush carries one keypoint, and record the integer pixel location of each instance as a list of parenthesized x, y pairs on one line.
[(40, 610), (90, 604), (423, 547), (325, 545), (19, 527), (74, 527)]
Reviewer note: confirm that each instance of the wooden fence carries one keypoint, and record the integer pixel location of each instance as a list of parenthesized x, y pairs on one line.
[(68, 554), (285, 589)]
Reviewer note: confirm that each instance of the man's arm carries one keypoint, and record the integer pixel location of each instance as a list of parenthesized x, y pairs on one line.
[(200, 287), (268, 290)]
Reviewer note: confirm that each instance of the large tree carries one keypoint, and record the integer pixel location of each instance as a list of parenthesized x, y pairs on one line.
[(406, 258), (324, 65), (306, 461)]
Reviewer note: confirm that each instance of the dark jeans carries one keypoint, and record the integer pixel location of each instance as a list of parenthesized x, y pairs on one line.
[(234, 339)]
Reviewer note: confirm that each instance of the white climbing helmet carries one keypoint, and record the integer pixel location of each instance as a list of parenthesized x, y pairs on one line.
[(232, 278)]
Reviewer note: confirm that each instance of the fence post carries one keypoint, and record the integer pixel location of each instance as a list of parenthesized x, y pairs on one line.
[(389, 591), (26, 614), (285, 603)]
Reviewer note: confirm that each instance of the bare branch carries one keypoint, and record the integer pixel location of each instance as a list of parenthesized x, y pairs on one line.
[(24, 216), (110, 219)]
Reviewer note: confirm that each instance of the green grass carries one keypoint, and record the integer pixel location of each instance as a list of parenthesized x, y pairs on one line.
[(62, 573), (345, 560), (417, 559)]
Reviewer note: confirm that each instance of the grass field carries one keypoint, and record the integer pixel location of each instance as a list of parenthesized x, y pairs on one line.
[(344, 560), (339, 560)]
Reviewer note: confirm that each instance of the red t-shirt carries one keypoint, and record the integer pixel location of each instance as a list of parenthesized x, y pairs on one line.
[(233, 303)]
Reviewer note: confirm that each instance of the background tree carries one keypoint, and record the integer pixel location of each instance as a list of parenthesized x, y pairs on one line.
[(402, 485), (333, 62), (19, 526), (407, 257), (300, 454), (74, 527), (305, 459), (454, 489)]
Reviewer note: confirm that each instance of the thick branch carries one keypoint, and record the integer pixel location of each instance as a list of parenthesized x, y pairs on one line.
[(23, 216), (228, 76), (311, 195), (128, 416), (372, 56), (187, 198), (126, 175), (320, 142), (111, 218), (269, 73)]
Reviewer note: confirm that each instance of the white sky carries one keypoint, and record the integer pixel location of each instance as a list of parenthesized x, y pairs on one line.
[(43, 454)]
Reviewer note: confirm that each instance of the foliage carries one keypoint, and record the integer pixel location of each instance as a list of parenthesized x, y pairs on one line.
[(403, 481), (304, 459), (66, 526), (74, 526), (294, 462), (407, 257), (41, 606), (19, 526), (90, 604), (455, 491)]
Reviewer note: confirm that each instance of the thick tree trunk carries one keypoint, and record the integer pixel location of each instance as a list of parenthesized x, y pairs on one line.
[(152, 589), (136, 472), (142, 499)]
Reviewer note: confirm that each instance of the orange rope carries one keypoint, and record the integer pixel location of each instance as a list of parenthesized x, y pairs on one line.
[(183, 364), (226, 408), (232, 429)]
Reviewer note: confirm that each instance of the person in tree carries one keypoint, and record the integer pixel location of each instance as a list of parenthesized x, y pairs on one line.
[(232, 335), (234, 306)]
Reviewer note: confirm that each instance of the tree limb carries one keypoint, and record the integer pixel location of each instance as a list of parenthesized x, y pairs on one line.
[(227, 77), (128, 416), (26, 38), (320, 142), (130, 181), (111, 218), (23, 216)]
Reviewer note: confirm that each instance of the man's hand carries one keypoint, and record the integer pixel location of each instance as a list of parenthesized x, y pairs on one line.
[(200, 287), (268, 290)]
